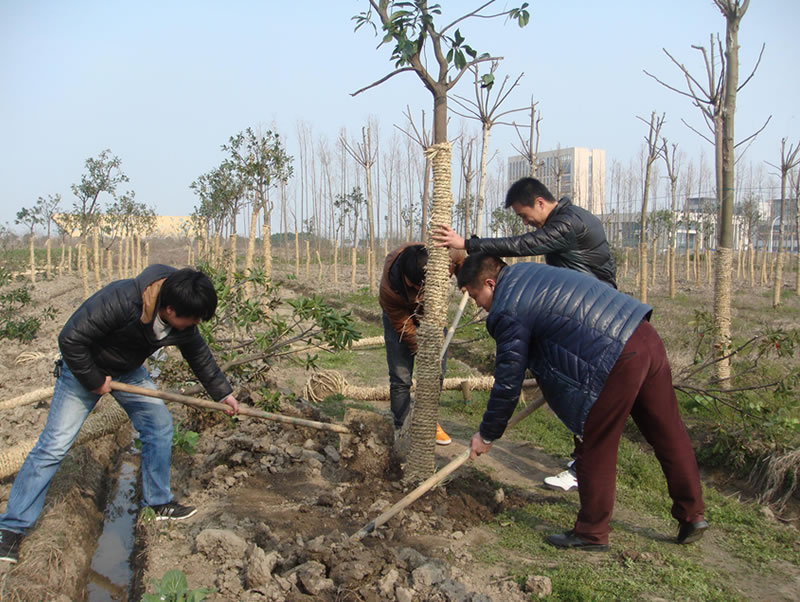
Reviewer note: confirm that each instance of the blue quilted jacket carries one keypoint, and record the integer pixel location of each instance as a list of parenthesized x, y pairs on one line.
[(567, 328)]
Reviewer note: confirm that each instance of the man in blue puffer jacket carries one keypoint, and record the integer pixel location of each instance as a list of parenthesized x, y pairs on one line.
[(597, 361)]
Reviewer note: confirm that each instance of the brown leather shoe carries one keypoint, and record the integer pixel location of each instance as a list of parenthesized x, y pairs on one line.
[(691, 532), (571, 541)]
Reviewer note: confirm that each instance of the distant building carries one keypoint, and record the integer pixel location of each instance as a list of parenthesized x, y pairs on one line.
[(579, 173), (166, 225), (170, 225)]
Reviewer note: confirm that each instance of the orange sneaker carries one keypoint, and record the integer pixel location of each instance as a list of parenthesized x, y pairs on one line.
[(442, 438)]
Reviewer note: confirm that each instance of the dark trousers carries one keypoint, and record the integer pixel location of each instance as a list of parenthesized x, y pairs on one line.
[(401, 366), (640, 386)]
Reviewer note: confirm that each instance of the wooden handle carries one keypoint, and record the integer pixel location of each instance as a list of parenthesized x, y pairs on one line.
[(411, 497), (437, 478), (213, 405)]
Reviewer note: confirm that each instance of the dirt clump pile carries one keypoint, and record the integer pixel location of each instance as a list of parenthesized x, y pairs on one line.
[(277, 506)]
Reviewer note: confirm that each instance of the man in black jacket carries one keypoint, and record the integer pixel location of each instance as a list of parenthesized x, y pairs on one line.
[(568, 236), (597, 360), (109, 337)]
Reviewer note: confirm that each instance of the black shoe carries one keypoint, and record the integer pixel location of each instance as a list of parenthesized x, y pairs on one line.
[(173, 511), (9, 545), (691, 532), (571, 541)]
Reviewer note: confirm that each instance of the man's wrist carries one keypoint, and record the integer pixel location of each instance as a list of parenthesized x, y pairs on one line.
[(486, 441)]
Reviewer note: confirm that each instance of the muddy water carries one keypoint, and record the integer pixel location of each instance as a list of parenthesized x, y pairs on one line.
[(110, 574)]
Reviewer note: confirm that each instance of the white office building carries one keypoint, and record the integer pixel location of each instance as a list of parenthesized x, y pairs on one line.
[(579, 173)]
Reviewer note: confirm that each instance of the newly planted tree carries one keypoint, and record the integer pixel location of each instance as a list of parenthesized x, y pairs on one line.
[(102, 176), (789, 160), (486, 109), (262, 163), (47, 208), (30, 219), (716, 98), (653, 133), (416, 38)]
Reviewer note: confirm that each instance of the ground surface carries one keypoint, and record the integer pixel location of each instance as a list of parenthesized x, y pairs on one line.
[(278, 506)]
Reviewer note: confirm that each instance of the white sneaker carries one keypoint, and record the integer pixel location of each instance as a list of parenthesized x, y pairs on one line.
[(564, 481)]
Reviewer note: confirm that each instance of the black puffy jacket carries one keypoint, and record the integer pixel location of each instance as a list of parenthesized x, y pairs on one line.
[(571, 237), (111, 333), (567, 328)]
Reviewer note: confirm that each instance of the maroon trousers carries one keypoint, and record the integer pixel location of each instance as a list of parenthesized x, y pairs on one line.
[(640, 386)]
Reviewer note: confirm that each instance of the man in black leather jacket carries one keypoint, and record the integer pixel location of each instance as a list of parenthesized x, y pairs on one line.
[(567, 235), (109, 337)]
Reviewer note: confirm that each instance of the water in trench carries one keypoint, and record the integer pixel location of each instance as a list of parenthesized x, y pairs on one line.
[(110, 573)]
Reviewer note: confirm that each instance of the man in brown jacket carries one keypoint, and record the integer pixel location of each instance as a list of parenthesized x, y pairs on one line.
[(401, 296)]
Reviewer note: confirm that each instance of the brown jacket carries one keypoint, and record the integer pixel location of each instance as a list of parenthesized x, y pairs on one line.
[(404, 310)]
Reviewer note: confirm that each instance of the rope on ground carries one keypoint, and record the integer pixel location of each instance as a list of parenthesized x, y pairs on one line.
[(325, 383), (106, 418), (27, 398)]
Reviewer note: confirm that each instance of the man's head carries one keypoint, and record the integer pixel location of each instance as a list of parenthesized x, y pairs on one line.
[(531, 201), (478, 276), (187, 298), (414, 259)]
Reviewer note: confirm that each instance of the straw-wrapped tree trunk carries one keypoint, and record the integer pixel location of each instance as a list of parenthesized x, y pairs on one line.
[(416, 37)]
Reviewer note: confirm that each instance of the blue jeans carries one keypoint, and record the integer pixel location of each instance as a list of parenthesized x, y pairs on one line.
[(69, 409), (401, 366)]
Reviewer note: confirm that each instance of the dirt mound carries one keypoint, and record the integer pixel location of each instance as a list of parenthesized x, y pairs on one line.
[(278, 506)]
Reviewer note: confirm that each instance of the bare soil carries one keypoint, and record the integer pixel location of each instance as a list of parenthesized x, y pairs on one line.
[(278, 504)]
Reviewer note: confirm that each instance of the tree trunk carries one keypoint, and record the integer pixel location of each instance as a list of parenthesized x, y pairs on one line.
[(296, 252), (430, 335), (84, 269), (266, 235), (98, 261), (63, 258), (625, 263), (353, 259), (319, 261), (335, 262), (308, 259), (777, 284), (482, 185), (48, 269), (370, 216), (251, 247), (232, 258), (32, 258), (655, 261), (643, 271)]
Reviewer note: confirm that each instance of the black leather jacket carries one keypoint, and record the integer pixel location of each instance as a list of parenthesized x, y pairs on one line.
[(111, 333), (570, 238)]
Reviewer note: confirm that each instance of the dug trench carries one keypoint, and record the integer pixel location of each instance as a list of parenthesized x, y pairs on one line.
[(277, 507)]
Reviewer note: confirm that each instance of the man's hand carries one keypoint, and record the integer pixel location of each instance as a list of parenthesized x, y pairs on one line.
[(231, 401), (445, 236), (104, 388), (477, 446)]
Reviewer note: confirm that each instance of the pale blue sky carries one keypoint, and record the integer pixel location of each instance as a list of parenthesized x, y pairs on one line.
[(164, 84)]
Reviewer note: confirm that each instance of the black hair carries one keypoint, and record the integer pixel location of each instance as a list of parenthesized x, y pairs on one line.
[(526, 190), (190, 293), (477, 267), (414, 259)]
